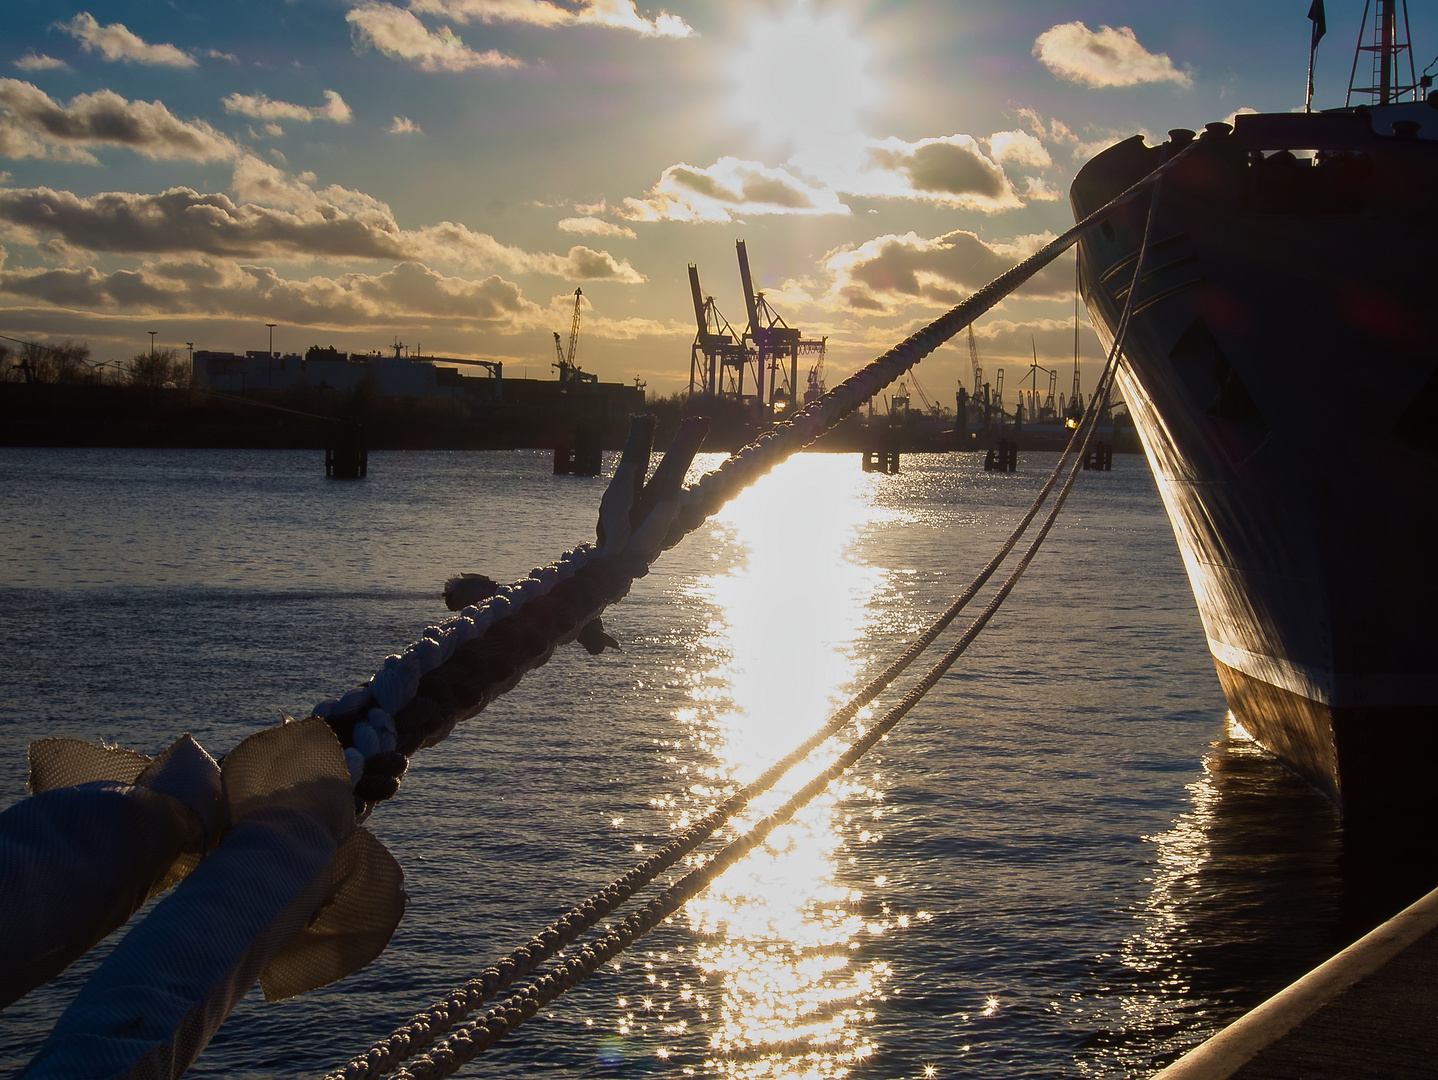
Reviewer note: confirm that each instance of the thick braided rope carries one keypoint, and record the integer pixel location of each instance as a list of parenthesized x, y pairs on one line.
[(459, 666), (387, 1053)]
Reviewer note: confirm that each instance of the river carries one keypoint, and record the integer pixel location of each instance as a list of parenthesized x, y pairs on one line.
[(1064, 862)]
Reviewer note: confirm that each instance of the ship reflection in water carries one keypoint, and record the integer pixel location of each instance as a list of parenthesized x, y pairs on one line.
[(1256, 884), (1258, 850), (779, 992)]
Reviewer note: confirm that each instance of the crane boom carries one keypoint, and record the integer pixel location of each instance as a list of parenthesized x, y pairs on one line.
[(750, 302), (574, 328), (698, 300), (974, 359)]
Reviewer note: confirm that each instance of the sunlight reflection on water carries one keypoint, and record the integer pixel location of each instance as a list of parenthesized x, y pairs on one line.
[(776, 931)]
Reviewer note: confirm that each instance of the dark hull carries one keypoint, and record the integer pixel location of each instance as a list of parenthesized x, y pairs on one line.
[(1282, 371)]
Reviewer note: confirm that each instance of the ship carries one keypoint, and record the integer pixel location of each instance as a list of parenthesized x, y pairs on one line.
[(1281, 368)]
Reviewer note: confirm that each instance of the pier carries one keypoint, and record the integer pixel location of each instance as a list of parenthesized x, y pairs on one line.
[(1367, 1012)]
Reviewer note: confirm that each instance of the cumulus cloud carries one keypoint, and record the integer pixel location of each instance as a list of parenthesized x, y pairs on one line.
[(953, 171), (40, 62), (226, 288), (263, 108), (399, 34), (278, 216), (1103, 57), (593, 226), (1039, 190), (617, 14), (403, 125), (1059, 133), (891, 272), (725, 190), (115, 42), (33, 125), (1018, 148)]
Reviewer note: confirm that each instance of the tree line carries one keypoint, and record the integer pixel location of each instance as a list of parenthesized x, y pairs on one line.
[(69, 364)]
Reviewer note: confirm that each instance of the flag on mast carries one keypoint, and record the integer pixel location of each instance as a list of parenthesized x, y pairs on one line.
[(1320, 24), (1320, 27)]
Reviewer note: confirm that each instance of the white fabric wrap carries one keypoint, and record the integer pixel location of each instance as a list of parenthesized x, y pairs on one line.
[(296, 896), (105, 830)]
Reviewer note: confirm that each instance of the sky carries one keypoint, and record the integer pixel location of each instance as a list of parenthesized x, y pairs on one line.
[(446, 173)]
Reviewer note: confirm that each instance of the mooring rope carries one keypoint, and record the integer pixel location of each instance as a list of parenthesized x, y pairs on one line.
[(459, 666), (409, 1038), (414, 700), (477, 1035)]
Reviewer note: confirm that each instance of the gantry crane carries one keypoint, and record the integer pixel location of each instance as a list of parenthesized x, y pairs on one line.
[(769, 339), (717, 358)]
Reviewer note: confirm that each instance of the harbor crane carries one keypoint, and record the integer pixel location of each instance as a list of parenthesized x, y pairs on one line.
[(569, 372), (769, 339), (717, 358), (1074, 411), (815, 390), (931, 407), (984, 398)]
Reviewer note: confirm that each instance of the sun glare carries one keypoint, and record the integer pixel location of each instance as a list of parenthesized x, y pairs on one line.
[(803, 78)]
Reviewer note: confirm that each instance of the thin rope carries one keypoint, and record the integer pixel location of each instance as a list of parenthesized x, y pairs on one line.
[(386, 1053), (476, 1036)]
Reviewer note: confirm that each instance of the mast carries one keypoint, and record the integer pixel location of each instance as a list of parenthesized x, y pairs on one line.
[(1388, 42)]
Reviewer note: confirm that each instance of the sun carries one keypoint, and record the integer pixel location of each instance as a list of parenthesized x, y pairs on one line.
[(803, 79)]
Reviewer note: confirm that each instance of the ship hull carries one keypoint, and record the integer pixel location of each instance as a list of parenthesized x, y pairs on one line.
[(1281, 369)]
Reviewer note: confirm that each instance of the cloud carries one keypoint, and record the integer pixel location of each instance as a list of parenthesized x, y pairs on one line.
[(32, 62), (33, 125), (1103, 57), (1039, 190), (399, 34), (281, 217), (218, 287), (410, 294), (263, 108), (592, 226), (115, 42), (616, 14), (952, 169), (403, 125), (215, 54), (1056, 131), (1018, 148), (726, 190), (892, 272)]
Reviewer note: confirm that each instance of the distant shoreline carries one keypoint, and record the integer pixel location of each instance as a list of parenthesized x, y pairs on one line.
[(103, 415)]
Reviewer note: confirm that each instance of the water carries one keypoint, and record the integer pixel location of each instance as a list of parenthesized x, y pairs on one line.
[(1063, 863)]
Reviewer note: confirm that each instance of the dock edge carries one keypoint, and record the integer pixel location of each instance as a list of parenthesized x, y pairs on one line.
[(1233, 1047)]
